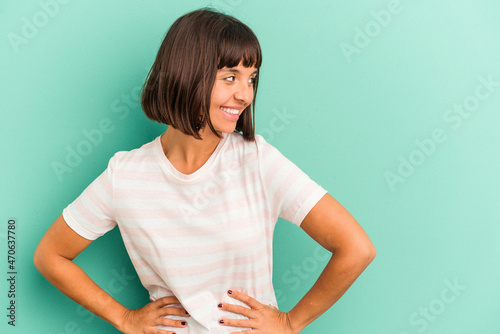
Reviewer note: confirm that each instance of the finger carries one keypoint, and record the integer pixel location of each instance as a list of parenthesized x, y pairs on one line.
[(236, 322), (171, 322), (253, 303), (173, 311), (162, 331), (236, 309), (168, 300)]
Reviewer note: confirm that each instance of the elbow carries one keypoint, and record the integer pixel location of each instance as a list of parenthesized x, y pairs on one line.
[(370, 253), (365, 253), (41, 259), (368, 249), (357, 256), (38, 258)]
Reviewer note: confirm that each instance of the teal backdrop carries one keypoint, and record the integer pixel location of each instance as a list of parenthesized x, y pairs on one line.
[(392, 106)]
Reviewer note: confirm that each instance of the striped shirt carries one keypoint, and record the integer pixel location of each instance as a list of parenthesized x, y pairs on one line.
[(196, 236)]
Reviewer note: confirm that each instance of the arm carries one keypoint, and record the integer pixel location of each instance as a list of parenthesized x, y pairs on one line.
[(336, 230), (54, 259)]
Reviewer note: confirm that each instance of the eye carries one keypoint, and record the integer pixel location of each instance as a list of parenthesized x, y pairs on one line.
[(230, 79), (252, 80)]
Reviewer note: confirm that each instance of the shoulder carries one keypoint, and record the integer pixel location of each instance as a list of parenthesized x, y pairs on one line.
[(248, 152), (236, 140), (145, 154)]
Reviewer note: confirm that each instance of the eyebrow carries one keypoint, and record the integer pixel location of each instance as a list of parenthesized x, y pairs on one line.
[(233, 70)]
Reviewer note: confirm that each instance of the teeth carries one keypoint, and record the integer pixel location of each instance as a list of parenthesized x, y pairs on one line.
[(231, 111)]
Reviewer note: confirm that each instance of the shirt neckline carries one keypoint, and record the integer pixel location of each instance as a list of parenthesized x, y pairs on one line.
[(167, 165)]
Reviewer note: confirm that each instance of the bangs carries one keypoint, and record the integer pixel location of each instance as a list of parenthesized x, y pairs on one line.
[(238, 43)]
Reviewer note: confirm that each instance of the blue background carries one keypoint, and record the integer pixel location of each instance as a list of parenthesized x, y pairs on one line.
[(372, 93)]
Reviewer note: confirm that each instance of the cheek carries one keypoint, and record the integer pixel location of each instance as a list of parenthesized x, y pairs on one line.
[(220, 94), (217, 99)]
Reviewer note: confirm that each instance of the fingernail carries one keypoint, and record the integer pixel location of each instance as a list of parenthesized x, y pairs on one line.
[(183, 323), (186, 312), (221, 321), (219, 306), (230, 292)]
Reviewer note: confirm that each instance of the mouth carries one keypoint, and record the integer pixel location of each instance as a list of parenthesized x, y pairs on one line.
[(231, 113)]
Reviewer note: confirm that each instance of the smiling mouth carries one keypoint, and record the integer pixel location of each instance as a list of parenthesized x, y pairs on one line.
[(230, 110)]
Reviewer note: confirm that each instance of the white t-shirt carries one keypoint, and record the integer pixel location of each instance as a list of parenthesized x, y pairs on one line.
[(196, 236)]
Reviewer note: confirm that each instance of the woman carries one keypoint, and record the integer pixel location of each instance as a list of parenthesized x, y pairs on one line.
[(197, 206)]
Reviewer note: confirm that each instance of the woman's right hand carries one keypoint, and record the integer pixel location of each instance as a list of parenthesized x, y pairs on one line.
[(145, 320)]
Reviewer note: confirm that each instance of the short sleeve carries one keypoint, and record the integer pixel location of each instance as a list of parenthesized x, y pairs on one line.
[(91, 214), (290, 192)]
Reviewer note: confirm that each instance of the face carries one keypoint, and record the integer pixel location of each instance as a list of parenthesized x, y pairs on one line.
[(233, 91)]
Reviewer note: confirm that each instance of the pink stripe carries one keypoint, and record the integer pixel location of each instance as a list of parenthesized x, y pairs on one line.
[(151, 176), (202, 269), (205, 249), (282, 194), (191, 288), (148, 157), (205, 211), (89, 216), (174, 232), (98, 201), (254, 291), (149, 193), (298, 200)]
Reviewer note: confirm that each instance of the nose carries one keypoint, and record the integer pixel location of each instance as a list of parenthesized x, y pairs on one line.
[(244, 93)]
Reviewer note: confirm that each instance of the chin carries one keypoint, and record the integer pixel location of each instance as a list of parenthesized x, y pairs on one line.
[(227, 129)]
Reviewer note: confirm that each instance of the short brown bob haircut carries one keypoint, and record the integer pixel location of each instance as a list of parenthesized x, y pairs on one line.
[(179, 86)]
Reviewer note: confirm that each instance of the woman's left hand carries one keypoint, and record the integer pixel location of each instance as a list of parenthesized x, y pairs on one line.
[(262, 319)]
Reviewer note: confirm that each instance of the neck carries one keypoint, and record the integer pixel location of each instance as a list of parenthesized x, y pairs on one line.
[(185, 152)]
